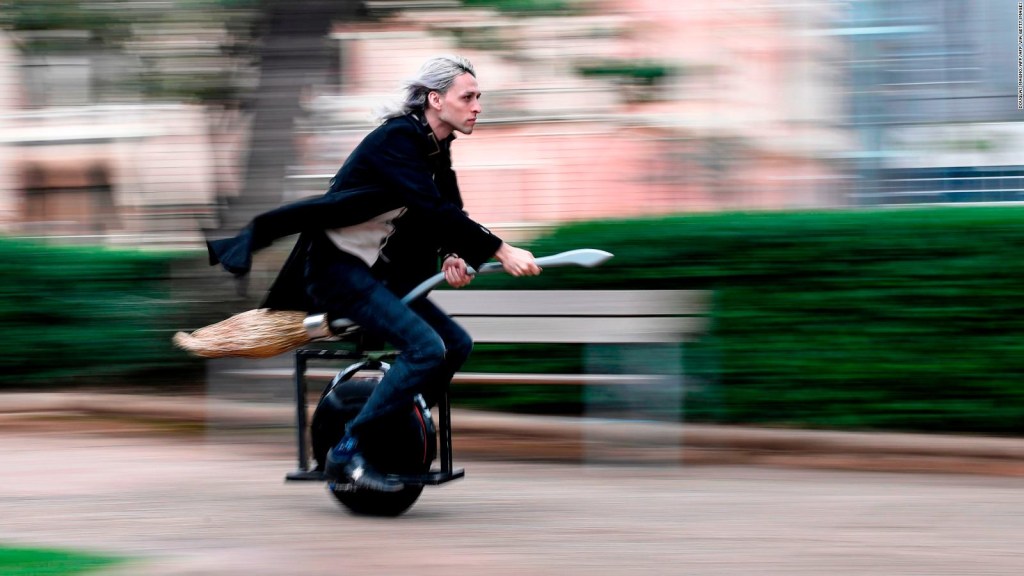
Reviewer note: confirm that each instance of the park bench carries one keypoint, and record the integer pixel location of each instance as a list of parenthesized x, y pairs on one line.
[(602, 319), (634, 343), (587, 317), (633, 338)]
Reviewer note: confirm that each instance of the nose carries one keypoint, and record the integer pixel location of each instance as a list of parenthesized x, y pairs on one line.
[(477, 108)]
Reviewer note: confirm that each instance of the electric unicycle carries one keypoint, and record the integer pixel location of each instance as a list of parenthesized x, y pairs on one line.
[(403, 444)]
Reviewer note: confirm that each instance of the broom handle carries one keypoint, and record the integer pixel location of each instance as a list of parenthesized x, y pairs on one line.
[(585, 257)]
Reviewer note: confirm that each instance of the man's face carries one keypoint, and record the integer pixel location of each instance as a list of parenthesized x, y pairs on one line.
[(460, 105)]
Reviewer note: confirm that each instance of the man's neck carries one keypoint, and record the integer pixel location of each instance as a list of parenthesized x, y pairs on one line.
[(441, 130)]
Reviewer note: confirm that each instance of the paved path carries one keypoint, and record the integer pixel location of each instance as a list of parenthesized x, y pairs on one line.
[(544, 438), (211, 506)]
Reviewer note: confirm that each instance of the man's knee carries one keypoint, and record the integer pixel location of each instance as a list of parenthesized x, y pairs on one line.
[(458, 350), (428, 354)]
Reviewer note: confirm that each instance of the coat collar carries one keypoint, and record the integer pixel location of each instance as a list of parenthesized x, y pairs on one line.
[(436, 146)]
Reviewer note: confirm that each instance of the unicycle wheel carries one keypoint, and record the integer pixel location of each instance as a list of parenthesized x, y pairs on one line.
[(371, 503), (403, 443)]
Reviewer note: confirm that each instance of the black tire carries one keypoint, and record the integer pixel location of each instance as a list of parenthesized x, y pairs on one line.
[(403, 443), (369, 503)]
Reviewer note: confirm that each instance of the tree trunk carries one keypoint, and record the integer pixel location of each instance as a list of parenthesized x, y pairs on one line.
[(295, 54)]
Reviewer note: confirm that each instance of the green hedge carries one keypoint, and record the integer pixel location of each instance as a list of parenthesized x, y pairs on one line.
[(83, 314), (908, 319), (521, 6), (904, 319), (642, 71)]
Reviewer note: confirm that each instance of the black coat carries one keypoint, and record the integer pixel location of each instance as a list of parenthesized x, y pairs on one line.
[(400, 163)]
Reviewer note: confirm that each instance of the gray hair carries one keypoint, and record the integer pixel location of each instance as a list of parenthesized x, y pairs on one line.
[(436, 75)]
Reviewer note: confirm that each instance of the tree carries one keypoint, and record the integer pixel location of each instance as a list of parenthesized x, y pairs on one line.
[(294, 53)]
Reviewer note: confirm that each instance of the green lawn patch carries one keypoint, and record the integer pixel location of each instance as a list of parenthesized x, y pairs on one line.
[(41, 562)]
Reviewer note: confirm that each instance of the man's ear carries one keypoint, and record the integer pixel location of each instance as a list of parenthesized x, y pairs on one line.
[(434, 99)]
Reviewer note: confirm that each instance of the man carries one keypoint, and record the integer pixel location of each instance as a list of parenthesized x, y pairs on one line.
[(391, 213)]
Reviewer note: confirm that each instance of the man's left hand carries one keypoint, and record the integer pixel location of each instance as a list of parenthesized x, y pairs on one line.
[(456, 272)]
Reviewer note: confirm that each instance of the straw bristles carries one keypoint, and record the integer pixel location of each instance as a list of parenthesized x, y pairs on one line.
[(260, 333)]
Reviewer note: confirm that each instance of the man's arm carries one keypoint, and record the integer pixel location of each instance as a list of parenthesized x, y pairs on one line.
[(402, 163), (342, 208), (516, 261)]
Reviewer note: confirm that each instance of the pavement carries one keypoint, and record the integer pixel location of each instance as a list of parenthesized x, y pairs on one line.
[(194, 486), (482, 435), (217, 505)]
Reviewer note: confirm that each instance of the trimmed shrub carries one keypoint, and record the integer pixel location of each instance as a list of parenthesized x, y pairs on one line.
[(908, 319), (70, 312)]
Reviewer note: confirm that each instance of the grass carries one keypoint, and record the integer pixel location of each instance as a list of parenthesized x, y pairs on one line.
[(42, 562)]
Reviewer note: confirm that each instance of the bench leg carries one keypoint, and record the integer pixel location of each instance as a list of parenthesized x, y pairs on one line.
[(300, 412), (445, 420)]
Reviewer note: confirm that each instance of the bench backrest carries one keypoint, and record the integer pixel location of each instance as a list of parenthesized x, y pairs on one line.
[(578, 316)]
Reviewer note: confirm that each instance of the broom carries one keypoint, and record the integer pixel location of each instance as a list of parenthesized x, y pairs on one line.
[(263, 333)]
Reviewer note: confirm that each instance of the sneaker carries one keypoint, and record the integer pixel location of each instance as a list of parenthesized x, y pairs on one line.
[(345, 462)]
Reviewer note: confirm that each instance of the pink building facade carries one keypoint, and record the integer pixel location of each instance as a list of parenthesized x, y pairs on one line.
[(745, 119), (745, 116)]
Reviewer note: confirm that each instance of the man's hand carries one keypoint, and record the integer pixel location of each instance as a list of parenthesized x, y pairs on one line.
[(516, 261), (455, 271)]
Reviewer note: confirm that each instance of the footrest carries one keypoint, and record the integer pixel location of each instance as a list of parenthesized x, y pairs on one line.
[(305, 476), (432, 478)]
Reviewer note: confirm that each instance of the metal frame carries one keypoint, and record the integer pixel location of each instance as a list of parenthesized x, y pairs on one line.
[(318, 326)]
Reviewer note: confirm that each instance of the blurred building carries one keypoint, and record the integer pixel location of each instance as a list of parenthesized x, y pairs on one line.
[(85, 157), (114, 170), (8, 103), (933, 101), (633, 108), (609, 108)]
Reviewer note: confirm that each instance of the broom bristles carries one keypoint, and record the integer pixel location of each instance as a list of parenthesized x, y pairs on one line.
[(260, 333)]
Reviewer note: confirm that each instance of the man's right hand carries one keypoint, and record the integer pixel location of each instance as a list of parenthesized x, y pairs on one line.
[(516, 261), (455, 271)]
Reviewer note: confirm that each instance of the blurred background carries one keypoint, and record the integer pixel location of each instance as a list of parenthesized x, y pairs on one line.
[(844, 176)]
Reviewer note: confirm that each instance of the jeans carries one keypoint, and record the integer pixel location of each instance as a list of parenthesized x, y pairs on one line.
[(432, 346)]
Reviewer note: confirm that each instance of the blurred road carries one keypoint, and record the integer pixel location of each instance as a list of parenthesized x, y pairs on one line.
[(207, 506)]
